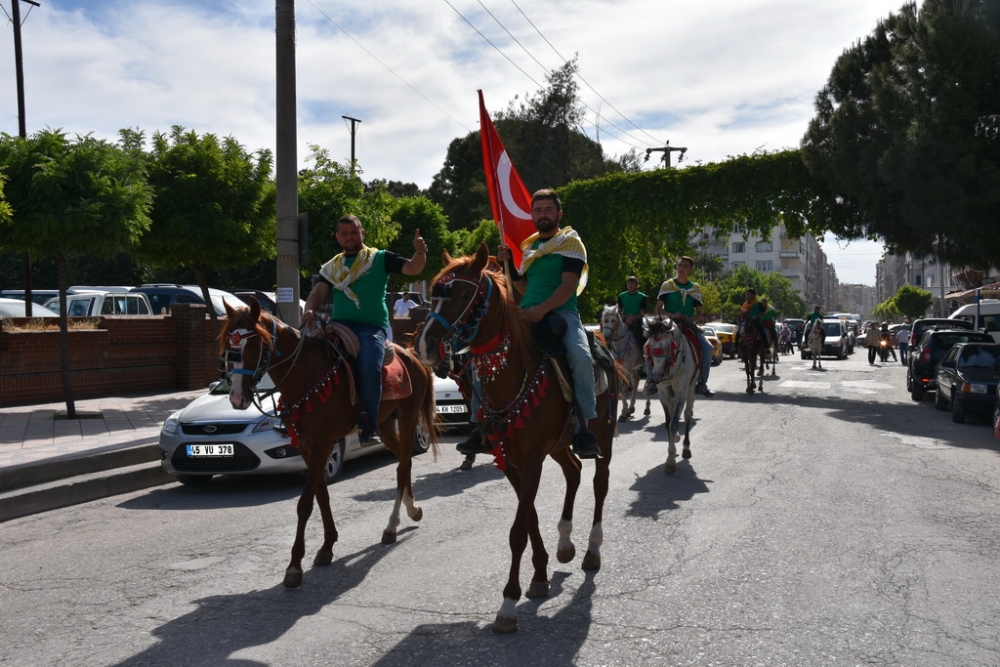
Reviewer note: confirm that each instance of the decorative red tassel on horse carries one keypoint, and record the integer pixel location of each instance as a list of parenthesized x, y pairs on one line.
[(510, 430), (518, 422), (527, 410), (498, 458), (309, 405)]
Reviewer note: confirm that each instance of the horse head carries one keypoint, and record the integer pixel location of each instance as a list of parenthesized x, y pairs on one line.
[(460, 296), (246, 346), (612, 323), (661, 346)]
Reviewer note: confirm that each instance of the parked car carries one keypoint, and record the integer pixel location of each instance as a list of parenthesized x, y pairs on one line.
[(726, 334), (209, 437), (95, 303), (268, 300), (15, 308), (967, 379), (918, 327), (164, 295), (39, 296), (452, 408), (921, 371), (712, 338), (835, 342)]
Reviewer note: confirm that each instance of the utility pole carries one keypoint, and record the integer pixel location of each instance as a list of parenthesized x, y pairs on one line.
[(286, 166), (667, 150), (354, 122), (22, 130)]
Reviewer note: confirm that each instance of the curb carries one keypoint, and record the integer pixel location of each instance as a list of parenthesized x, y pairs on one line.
[(26, 502)]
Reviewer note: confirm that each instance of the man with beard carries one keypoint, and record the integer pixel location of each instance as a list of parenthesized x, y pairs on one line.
[(358, 278), (553, 272)]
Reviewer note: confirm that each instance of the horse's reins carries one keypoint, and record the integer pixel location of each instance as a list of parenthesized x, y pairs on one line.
[(263, 362)]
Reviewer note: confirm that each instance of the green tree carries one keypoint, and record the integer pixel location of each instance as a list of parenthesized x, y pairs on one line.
[(906, 138), (84, 196), (885, 310), (912, 301), (214, 205), (411, 214)]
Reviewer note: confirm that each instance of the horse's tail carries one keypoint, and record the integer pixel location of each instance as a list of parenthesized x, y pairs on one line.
[(428, 414)]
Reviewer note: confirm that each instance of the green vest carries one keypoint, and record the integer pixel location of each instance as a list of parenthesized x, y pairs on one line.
[(370, 290), (632, 303), (544, 277)]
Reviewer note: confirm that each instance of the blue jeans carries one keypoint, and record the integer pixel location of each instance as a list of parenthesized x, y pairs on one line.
[(581, 365), (371, 354)]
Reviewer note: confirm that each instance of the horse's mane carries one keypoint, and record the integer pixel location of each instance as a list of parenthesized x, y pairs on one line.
[(660, 327), (510, 314)]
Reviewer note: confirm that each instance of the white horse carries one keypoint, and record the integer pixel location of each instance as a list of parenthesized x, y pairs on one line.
[(675, 372), (627, 352), (816, 337)]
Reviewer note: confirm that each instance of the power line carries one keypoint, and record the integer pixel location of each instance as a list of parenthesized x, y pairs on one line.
[(389, 69)]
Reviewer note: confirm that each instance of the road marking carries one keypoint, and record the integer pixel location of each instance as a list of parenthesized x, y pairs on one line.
[(797, 384)]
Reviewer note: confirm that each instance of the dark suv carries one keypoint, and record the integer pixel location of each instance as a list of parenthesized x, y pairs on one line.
[(924, 323), (925, 357)]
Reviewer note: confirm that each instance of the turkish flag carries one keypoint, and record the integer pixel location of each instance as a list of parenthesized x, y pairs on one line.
[(509, 198)]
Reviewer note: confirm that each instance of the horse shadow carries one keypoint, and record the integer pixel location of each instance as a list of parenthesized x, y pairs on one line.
[(219, 626), (554, 640), (222, 492), (657, 492)]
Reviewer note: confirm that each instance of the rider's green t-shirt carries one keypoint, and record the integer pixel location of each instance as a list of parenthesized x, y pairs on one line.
[(769, 315), (680, 298), (812, 317), (632, 304), (370, 290), (544, 277)]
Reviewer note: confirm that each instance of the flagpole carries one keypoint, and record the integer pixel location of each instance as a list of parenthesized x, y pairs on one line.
[(494, 186)]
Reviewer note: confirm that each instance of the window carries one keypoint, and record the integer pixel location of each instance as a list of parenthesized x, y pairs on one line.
[(735, 264), (739, 246), (765, 266), (764, 246)]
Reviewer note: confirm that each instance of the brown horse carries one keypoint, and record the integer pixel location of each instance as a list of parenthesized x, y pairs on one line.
[(524, 412), (752, 349), (316, 407)]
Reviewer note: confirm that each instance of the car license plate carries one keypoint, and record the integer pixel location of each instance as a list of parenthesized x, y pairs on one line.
[(452, 408), (210, 450)]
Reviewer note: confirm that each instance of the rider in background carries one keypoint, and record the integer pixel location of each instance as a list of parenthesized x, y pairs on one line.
[(632, 306), (886, 335), (680, 300), (811, 318), (767, 319), (754, 310)]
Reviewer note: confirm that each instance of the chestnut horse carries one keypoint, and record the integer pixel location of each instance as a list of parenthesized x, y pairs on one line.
[(627, 352), (316, 408), (523, 411), (751, 350), (675, 371)]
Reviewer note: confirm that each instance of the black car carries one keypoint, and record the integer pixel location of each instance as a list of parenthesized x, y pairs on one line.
[(918, 327), (967, 379), (925, 357)]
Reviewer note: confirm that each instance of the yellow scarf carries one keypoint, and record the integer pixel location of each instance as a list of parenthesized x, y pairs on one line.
[(567, 243), (341, 277)]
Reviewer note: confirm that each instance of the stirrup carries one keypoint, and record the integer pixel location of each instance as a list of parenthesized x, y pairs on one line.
[(585, 445), (650, 388)]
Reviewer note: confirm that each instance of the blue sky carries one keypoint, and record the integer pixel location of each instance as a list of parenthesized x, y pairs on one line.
[(722, 77)]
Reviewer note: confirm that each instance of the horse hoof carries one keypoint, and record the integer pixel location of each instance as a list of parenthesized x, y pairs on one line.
[(467, 463), (669, 469), (537, 589), (624, 418), (686, 454), (566, 555), (591, 562), (677, 437), (323, 558), (293, 578), (418, 514), (388, 537), (646, 412), (505, 624)]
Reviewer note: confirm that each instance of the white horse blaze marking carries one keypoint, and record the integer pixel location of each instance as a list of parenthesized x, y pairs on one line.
[(565, 528)]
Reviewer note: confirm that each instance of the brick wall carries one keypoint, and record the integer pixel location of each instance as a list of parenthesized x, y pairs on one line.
[(124, 354)]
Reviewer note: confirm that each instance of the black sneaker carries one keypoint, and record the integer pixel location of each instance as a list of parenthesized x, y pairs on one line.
[(649, 389), (365, 429), (702, 388), (585, 445), (476, 443)]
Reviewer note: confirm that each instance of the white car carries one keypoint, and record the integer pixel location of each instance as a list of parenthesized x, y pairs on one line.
[(452, 409), (15, 308), (210, 437)]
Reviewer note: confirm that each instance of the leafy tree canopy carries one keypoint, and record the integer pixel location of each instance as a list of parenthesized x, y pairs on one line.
[(906, 137), (912, 301)]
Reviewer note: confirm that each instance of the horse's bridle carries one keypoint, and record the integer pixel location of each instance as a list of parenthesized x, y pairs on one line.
[(619, 324), (458, 335), (234, 352)]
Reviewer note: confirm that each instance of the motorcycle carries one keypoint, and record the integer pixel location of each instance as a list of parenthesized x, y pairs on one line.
[(883, 349)]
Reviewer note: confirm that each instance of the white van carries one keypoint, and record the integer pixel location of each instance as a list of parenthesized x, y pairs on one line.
[(95, 303), (984, 316)]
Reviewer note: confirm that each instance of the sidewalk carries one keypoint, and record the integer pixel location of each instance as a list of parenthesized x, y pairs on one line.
[(29, 434)]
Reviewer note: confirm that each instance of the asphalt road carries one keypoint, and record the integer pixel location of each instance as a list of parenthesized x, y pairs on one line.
[(830, 521)]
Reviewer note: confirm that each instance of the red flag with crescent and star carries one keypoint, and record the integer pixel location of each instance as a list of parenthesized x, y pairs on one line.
[(509, 198)]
